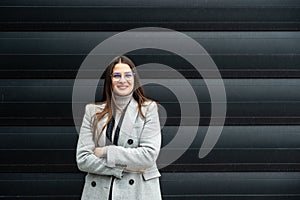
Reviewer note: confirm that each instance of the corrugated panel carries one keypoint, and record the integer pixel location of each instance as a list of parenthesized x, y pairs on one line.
[(174, 185), (189, 15), (237, 54), (253, 43)]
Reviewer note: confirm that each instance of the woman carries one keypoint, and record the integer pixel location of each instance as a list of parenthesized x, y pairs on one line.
[(120, 139)]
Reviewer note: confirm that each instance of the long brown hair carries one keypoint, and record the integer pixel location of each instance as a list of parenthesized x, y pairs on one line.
[(138, 94)]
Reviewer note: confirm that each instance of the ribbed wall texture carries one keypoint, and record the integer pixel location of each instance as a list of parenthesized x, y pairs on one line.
[(255, 45)]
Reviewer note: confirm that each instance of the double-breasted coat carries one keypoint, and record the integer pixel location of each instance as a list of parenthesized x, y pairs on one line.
[(138, 148)]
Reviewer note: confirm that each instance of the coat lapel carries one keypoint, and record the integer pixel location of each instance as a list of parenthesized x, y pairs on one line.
[(101, 140), (128, 122)]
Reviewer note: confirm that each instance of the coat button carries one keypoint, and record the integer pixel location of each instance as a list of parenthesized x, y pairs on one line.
[(130, 141), (93, 183), (131, 181)]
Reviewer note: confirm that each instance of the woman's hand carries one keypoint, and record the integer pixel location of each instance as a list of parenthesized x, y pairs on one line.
[(136, 170), (100, 152)]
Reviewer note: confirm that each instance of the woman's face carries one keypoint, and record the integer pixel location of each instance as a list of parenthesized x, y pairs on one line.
[(122, 79)]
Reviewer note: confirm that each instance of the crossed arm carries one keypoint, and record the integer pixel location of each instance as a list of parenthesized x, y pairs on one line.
[(100, 152), (107, 160)]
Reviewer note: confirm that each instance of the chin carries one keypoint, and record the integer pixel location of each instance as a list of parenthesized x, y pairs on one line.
[(123, 93)]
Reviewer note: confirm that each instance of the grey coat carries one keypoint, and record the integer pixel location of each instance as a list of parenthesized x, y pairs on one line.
[(138, 147)]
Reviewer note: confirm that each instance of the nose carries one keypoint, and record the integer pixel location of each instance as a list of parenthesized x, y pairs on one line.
[(122, 79)]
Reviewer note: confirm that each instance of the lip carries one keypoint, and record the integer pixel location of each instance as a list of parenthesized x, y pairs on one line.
[(122, 87)]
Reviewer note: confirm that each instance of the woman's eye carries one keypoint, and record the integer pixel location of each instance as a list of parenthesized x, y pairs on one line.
[(117, 75)]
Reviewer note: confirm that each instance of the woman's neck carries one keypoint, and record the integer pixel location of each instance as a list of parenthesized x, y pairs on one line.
[(122, 101)]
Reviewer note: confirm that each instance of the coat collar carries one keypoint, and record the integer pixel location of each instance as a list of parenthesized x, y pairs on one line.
[(130, 116), (128, 121)]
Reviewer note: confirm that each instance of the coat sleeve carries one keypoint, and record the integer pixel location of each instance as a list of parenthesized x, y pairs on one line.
[(144, 156), (87, 161)]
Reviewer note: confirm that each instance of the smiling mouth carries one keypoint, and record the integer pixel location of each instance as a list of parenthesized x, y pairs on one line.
[(122, 87)]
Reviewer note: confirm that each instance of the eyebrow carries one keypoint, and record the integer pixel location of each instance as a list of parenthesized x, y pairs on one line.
[(124, 72)]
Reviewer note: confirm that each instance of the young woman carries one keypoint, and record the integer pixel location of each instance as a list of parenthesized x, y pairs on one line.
[(120, 139)]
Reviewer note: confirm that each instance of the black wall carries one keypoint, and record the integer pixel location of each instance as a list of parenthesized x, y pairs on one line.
[(255, 45)]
